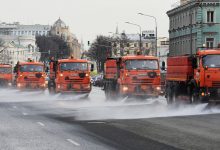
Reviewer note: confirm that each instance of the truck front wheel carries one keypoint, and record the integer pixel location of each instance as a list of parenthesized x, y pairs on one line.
[(193, 95)]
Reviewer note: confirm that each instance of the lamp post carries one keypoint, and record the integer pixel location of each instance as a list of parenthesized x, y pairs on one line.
[(155, 19), (140, 44)]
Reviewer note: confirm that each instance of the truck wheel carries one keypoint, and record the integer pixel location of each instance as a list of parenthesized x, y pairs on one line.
[(51, 87), (107, 91), (169, 95), (193, 96)]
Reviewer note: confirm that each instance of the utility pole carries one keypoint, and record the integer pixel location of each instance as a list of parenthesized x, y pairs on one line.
[(156, 27), (191, 30)]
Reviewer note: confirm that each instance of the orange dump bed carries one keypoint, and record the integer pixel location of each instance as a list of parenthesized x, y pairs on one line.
[(111, 69), (179, 68)]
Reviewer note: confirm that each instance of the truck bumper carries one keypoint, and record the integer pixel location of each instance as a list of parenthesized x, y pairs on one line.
[(74, 88), (5, 82), (141, 90), (24, 85)]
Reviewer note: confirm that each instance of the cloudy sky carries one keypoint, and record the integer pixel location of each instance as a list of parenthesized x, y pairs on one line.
[(89, 18)]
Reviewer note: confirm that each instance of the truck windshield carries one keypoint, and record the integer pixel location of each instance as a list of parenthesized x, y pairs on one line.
[(31, 68), (141, 64), (73, 66), (211, 61), (5, 70)]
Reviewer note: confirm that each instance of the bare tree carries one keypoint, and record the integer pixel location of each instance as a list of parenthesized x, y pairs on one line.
[(100, 50), (4, 53), (2, 48)]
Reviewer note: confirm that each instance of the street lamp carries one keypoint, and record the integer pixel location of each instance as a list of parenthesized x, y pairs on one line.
[(140, 32), (155, 19)]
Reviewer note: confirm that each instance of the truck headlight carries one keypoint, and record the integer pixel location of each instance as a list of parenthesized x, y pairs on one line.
[(158, 88), (19, 85), (61, 75), (125, 88)]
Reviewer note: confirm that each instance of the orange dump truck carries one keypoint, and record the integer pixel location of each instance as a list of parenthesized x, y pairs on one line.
[(194, 78), (30, 75), (5, 75), (132, 76), (70, 76)]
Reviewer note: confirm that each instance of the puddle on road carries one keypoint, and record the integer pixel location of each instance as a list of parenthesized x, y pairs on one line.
[(97, 108)]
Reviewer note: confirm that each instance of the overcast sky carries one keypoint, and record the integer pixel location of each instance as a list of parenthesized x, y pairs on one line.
[(88, 18)]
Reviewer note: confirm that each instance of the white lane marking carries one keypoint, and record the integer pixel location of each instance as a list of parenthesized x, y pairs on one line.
[(25, 114), (41, 124), (15, 107), (97, 122), (73, 142)]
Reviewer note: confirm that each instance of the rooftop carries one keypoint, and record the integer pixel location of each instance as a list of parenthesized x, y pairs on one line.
[(59, 23)]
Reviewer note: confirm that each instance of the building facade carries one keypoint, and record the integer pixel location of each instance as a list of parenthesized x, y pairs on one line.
[(62, 30), (12, 52), (162, 49), (23, 30), (132, 44), (147, 43), (194, 24)]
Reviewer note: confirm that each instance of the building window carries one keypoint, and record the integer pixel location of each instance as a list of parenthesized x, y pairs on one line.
[(209, 42), (210, 16), (146, 44), (135, 44)]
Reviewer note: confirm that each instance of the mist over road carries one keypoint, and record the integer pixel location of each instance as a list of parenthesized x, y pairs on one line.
[(39, 121)]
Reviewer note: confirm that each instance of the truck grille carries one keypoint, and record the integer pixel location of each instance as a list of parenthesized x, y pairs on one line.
[(74, 80), (31, 79), (216, 84), (143, 81)]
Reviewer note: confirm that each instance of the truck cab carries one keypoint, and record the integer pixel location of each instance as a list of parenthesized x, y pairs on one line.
[(5, 75), (70, 76), (194, 78), (133, 76), (30, 75), (207, 73)]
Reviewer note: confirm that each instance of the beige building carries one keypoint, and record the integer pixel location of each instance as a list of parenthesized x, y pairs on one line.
[(18, 48), (11, 53), (60, 29)]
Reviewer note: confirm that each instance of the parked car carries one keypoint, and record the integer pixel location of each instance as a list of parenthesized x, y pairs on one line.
[(98, 80)]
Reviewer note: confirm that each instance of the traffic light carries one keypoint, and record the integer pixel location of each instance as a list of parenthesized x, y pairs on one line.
[(88, 43)]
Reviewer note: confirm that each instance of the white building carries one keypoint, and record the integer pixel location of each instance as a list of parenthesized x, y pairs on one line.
[(162, 49), (20, 41), (20, 30), (18, 48), (147, 41)]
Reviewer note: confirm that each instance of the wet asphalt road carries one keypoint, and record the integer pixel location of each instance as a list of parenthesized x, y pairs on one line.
[(38, 121)]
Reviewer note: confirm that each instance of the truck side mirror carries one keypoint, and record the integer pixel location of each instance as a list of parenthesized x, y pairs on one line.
[(163, 65), (92, 67), (55, 66), (194, 63), (47, 69)]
